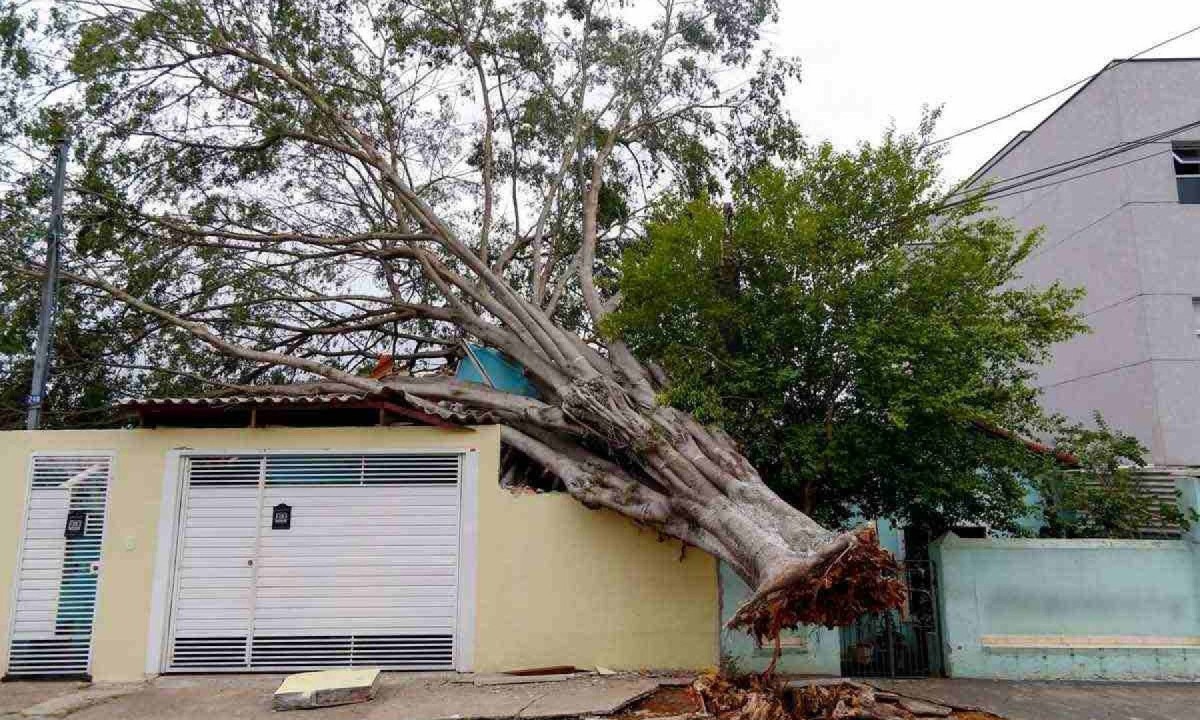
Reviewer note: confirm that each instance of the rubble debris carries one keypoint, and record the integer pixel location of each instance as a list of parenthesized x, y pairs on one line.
[(605, 671), (765, 697), (326, 688), (749, 697)]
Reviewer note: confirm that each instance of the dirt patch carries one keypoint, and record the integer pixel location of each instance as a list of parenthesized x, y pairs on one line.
[(664, 702), (974, 715)]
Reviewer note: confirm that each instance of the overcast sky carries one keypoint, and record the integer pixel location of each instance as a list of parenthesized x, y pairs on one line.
[(869, 62)]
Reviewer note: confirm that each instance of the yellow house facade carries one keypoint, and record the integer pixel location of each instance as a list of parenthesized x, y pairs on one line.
[(133, 552)]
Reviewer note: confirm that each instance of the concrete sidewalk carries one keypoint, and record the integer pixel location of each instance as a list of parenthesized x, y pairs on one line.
[(446, 696), (401, 696), (1025, 700)]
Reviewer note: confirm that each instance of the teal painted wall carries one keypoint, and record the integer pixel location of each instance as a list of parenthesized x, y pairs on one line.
[(820, 655), (891, 537), (1068, 588)]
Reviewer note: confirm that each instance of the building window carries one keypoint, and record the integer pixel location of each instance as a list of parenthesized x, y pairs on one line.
[(1187, 171)]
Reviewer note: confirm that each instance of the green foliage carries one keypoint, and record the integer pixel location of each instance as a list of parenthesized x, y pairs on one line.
[(850, 334), (1102, 496)]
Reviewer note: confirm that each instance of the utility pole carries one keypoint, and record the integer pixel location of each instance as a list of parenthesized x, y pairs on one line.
[(41, 355)]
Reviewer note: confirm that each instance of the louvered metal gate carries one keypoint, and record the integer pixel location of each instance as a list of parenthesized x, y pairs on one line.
[(59, 567), (290, 562)]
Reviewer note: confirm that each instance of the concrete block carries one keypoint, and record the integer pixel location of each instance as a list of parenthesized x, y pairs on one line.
[(326, 688)]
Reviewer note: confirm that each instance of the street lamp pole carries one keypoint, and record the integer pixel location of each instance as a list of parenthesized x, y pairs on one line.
[(41, 356)]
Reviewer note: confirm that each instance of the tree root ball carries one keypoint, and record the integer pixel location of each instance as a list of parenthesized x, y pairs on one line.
[(849, 577), (766, 697)]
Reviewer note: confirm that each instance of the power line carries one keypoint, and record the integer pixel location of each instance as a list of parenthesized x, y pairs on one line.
[(1062, 90), (1041, 173), (989, 196)]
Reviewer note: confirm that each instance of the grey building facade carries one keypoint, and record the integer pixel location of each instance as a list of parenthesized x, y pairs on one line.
[(1108, 177)]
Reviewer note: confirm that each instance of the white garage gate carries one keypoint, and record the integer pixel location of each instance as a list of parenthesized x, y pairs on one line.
[(296, 561)]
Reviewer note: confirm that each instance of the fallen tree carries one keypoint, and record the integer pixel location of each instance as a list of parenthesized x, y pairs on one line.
[(303, 182)]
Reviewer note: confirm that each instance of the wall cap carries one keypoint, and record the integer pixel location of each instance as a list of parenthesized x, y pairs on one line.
[(950, 540)]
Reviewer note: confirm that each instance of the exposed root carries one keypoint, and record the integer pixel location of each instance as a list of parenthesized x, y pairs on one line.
[(851, 576), (764, 697), (747, 697)]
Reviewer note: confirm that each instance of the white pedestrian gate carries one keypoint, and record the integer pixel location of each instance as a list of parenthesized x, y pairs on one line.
[(295, 561), (59, 566)]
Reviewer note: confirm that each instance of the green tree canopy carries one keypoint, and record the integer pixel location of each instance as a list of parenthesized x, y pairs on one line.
[(861, 339)]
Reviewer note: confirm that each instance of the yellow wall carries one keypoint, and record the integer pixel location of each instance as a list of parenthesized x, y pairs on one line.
[(563, 585), (556, 583)]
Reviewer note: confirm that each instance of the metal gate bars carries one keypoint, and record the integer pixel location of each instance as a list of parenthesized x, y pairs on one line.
[(904, 642)]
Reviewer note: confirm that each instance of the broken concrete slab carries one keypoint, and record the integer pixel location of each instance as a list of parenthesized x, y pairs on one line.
[(801, 683), (699, 715), (548, 670), (924, 708), (456, 702), (326, 688), (80, 699), (505, 679), (600, 697), (676, 681), (815, 682)]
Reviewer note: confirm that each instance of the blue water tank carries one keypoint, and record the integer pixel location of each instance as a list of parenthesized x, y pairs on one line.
[(506, 374)]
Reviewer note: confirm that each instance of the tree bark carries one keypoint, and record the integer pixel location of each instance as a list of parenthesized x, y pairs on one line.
[(613, 446)]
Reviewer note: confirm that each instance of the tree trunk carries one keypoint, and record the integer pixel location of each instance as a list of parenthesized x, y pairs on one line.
[(698, 488), (601, 430), (348, 208)]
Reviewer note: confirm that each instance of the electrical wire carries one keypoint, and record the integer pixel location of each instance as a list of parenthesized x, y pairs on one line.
[(1007, 183), (987, 196), (1062, 90)]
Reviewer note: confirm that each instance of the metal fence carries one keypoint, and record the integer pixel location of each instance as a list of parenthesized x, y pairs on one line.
[(905, 642)]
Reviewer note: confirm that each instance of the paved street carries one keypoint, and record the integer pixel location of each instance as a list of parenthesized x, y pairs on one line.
[(1059, 700)]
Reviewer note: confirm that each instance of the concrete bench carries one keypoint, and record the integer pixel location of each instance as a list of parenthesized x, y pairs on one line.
[(1088, 642)]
